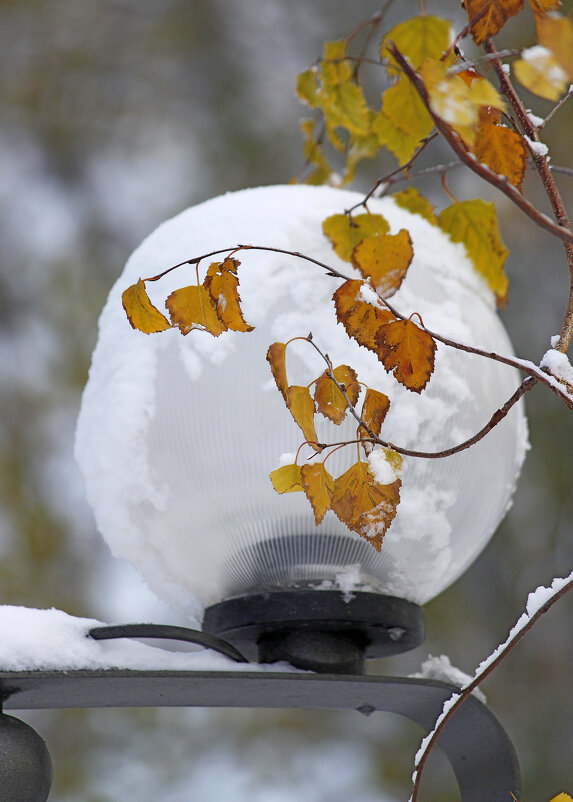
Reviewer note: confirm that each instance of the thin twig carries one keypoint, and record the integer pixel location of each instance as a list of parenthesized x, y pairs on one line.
[(403, 169), (551, 189), (503, 651), (556, 108), (528, 368)]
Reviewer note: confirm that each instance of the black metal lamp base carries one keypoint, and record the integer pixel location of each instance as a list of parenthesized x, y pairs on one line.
[(317, 630)]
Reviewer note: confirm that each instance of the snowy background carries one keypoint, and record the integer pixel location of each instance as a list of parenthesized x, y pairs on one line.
[(115, 116)]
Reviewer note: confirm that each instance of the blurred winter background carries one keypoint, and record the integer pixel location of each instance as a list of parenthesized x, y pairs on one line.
[(115, 116)]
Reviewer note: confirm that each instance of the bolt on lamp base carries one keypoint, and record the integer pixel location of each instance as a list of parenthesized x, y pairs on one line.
[(317, 630)]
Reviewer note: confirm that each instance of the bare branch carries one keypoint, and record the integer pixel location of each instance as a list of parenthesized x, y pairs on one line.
[(521, 628)]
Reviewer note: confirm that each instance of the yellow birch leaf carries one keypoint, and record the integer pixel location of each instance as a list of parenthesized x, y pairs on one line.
[(416, 203), (360, 319), (490, 16), (503, 150), (374, 409), (385, 259), (314, 154), (482, 93), (286, 479), (365, 506), (329, 400), (556, 34), (222, 284), (417, 39), (318, 486), (474, 222), (140, 311), (301, 406), (306, 87), (562, 797), (335, 70), (360, 147), (539, 71), (276, 357), (193, 308), (344, 106), (403, 120), (345, 232), (408, 352)]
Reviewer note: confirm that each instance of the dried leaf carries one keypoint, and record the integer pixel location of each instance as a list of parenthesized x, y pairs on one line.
[(490, 16), (360, 319), (408, 352), (193, 308), (222, 284), (417, 39), (403, 121), (140, 311), (416, 203), (544, 6), (345, 232), (318, 486), (384, 258), (301, 406), (276, 357), (374, 409), (329, 400), (363, 505), (562, 797), (503, 150), (474, 222), (286, 479)]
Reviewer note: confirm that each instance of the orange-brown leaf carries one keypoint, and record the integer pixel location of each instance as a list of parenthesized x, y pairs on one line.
[(360, 319), (345, 232), (555, 32), (490, 16), (384, 258), (276, 357), (222, 284), (329, 400), (140, 311), (193, 308), (544, 6), (286, 479), (318, 486), (301, 406), (408, 352), (503, 150), (374, 409), (365, 506)]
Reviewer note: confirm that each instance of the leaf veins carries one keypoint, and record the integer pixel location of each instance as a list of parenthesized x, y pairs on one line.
[(360, 319), (365, 506), (329, 400), (318, 486), (408, 352), (384, 258)]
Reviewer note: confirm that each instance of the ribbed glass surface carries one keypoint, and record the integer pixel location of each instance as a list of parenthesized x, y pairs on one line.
[(178, 478)]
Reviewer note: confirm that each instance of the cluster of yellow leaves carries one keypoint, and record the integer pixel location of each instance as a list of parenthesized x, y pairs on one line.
[(356, 498), (214, 306)]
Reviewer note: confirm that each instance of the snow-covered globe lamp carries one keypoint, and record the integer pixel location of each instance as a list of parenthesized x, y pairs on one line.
[(177, 435)]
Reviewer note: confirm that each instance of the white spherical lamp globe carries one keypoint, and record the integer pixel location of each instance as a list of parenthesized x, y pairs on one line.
[(177, 435)]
